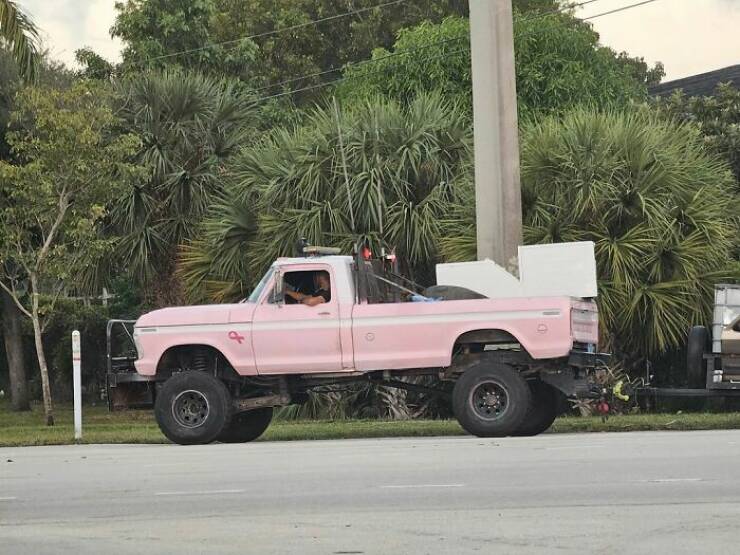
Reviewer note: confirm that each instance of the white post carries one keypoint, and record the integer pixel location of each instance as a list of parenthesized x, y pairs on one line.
[(497, 192), (77, 382)]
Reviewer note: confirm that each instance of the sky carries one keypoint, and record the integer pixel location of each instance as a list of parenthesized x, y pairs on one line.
[(688, 36)]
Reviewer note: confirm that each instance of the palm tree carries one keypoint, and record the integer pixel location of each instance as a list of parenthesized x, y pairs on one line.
[(190, 126), (657, 205), (378, 171), (19, 32)]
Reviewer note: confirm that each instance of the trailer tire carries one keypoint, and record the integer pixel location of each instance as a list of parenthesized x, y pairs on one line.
[(192, 408), (696, 367), (246, 426), (491, 400), (543, 410)]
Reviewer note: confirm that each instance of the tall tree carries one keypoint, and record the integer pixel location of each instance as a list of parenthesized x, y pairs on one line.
[(18, 31), (50, 74), (559, 64), (329, 44), (11, 316), (336, 41), (379, 170), (190, 126), (14, 353), (211, 35), (177, 33), (716, 115), (66, 168)]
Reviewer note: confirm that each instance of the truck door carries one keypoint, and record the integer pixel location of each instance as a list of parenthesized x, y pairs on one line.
[(290, 337)]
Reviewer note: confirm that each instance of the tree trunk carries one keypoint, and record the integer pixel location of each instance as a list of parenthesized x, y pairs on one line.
[(14, 353), (45, 387)]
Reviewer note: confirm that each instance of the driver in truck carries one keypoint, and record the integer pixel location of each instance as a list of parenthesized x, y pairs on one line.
[(321, 293)]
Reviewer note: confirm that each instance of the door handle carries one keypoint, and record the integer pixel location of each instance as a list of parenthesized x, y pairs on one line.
[(324, 313)]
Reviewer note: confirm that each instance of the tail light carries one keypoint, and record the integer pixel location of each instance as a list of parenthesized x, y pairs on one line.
[(584, 323)]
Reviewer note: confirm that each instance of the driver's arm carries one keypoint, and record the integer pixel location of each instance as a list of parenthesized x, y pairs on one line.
[(302, 298), (295, 295), (312, 301)]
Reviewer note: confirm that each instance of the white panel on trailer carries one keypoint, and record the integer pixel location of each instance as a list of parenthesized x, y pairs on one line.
[(726, 309), (560, 269)]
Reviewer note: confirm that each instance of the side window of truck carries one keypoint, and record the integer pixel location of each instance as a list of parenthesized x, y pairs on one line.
[(300, 285)]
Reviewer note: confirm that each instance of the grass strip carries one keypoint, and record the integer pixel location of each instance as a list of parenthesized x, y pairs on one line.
[(100, 426)]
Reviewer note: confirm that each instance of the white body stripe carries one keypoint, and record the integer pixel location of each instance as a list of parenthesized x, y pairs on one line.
[(379, 321)]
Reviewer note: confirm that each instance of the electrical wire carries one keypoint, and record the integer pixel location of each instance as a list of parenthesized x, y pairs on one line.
[(409, 50), (360, 63), (348, 77), (429, 45), (275, 31), (617, 10), (405, 52), (236, 41)]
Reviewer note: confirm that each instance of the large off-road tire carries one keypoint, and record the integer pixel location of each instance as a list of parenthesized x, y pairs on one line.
[(192, 408), (246, 426), (451, 293), (490, 400), (696, 366), (543, 410)]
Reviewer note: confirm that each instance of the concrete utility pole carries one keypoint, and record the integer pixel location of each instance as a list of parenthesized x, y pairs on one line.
[(497, 190)]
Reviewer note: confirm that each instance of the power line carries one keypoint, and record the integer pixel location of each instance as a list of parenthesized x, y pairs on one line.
[(410, 50), (617, 10), (402, 53), (361, 62), (317, 22), (348, 77), (373, 60), (556, 11), (277, 31)]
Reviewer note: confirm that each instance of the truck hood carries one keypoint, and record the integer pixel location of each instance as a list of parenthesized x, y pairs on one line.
[(186, 316)]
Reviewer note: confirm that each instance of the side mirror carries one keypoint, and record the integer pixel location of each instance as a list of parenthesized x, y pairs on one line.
[(278, 297)]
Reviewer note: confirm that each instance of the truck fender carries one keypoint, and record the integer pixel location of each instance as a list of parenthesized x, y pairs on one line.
[(200, 354)]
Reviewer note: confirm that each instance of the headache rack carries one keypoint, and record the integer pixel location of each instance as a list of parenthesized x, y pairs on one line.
[(378, 279), (124, 387)]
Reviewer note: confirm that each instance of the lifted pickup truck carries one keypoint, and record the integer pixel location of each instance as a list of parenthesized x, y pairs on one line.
[(217, 371)]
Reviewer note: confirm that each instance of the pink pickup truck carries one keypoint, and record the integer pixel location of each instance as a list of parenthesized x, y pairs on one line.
[(218, 371)]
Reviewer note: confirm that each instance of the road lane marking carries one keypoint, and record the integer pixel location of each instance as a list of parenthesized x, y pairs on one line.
[(205, 492), (576, 447), (672, 480), (8, 498), (409, 486)]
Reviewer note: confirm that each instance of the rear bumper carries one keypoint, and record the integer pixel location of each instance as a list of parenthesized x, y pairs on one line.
[(583, 359)]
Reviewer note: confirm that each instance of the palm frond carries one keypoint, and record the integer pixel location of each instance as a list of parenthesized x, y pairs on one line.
[(18, 31)]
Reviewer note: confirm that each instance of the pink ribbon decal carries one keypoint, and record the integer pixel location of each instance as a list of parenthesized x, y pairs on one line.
[(236, 337)]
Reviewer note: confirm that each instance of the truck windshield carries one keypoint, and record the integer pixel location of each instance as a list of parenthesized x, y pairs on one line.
[(254, 297)]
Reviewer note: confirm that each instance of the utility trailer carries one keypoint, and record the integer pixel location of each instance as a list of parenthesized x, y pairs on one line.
[(712, 355)]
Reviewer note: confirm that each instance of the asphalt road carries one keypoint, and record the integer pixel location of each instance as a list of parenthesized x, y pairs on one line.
[(662, 492)]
